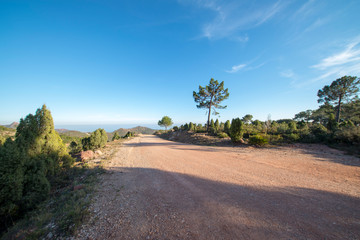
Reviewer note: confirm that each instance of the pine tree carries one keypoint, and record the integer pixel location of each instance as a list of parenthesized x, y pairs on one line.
[(210, 97), (227, 127), (340, 90)]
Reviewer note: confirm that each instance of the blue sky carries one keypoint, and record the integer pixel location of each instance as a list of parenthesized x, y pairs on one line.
[(132, 62)]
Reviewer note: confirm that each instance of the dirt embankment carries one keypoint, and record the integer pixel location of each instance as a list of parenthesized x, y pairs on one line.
[(158, 189)]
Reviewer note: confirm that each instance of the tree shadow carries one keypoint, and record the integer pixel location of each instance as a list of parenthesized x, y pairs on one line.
[(327, 154), (182, 206)]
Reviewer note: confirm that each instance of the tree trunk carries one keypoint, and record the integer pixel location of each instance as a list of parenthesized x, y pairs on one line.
[(338, 111), (208, 122)]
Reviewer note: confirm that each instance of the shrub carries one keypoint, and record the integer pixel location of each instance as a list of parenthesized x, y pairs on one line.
[(236, 130), (258, 140), (320, 132), (350, 135), (216, 126), (276, 138), (293, 137), (292, 127), (222, 135), (116, 136), (175, 128), (191, 127), (97, 140), (130, 134), (75, 147)]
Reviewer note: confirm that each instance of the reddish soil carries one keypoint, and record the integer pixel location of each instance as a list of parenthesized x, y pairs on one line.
[(158, 189)]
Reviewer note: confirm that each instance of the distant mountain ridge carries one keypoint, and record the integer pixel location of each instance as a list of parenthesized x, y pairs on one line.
[(72, 133), (120, 131), (137, 130), (12, 125)]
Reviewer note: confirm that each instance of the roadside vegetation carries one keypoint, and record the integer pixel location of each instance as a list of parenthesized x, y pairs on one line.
[(335, 123), (44, 191)]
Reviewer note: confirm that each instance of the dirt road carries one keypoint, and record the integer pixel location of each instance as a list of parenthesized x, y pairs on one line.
[(158, 189)]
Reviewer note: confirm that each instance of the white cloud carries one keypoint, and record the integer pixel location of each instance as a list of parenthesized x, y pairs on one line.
[(350, 54), (234, 16), (236, 68), (344, 62)]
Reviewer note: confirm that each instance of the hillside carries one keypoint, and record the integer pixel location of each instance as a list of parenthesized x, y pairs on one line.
[(72, 133), (12, 125), (137, 130), (6, 132)]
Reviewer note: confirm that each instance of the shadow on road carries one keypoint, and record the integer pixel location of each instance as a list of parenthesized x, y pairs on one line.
[(218, 210)]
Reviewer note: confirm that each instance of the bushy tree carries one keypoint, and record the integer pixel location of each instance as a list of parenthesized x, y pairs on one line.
[(332, 124), (340, 90), (247, 118), (116, 136), (97, 140), (227, 127), (11, 178), (27, 164), (191, 126), (210, 97), (292, 127), (216, 126), (303, 115), (236, 130), (166, 121)]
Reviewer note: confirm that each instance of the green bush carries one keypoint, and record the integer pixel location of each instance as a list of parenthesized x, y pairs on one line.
[(293, 137), (11, 179), (116, 136), (191, 127), (129, 134), (349, 135), (275, 138), (236, 130), (28, 163), (75, 147), (222, 135), (320, 132), (97, 140), (258, 140)]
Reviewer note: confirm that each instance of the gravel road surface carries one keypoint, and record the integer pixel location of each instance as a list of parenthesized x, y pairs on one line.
[(158, 189)]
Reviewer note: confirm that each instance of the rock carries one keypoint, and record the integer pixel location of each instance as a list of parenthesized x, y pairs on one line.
[(87, 155)]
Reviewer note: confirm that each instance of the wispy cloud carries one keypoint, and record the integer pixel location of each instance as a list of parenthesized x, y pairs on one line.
[(318, 23), (344, 62), (305, 10), (350, 54), (248, 66), (236, 68), (232, 16)]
